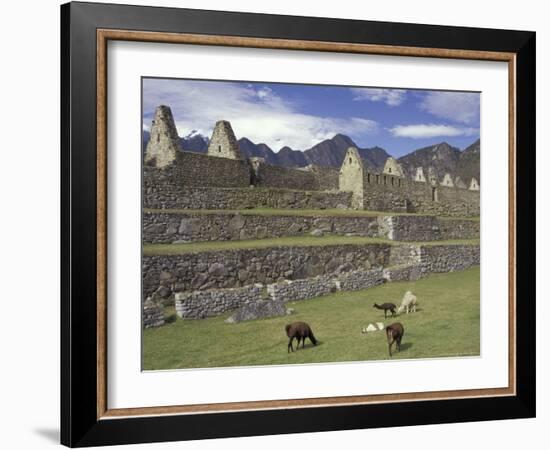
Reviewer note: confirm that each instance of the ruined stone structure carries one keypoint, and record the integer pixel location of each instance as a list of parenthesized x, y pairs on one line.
[(351, 177), (419, 175), (392, 167), (211, 283), (223, 143), (391, 191), (171, 176), (447, 180), (164, 143), (180, 227), (459, 183), (310, 178)]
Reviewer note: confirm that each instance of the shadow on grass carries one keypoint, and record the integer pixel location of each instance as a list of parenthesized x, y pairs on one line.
[(171, 318), (308, 346), (405, 346)]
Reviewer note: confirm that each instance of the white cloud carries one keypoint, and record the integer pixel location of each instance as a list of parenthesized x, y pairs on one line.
[(391, 97), (255, 112), (420, 131), (456, 106)]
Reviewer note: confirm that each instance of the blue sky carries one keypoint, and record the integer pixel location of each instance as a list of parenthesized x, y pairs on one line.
[(299, 116)]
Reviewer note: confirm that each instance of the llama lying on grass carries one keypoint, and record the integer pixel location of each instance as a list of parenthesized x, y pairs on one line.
[(394, 333), (299, 330), (408, 303)]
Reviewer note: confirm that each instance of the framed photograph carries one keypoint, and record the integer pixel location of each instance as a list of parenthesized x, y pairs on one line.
[(277, 224)]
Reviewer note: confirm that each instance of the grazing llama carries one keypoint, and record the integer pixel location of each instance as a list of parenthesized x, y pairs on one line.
[(386, 307), (299, 330), (408, 303), (394, 333)]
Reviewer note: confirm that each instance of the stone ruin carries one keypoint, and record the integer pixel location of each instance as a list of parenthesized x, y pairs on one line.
[(153, 314), (223, 143), (164, 143)]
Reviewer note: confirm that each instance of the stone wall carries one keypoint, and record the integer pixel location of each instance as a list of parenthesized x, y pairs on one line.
[(164, 227), (153, 314), (213, 302), (267, 175), (166, 196), (326, 178), (404, 254), (291, 290), (448, 258), (383, 192), (159, 227), (359, 279), (417, 261), (311, 178), (459, 229), (403, 273), (236, 268), (199, 169)]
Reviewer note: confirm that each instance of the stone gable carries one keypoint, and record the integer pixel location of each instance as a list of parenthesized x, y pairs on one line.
[(164, 143), (223, 143)]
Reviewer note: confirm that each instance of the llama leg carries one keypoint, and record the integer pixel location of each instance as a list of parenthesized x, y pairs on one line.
[(389, 346), (290, 348)]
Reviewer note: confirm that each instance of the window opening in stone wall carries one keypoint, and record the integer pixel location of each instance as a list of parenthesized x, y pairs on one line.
[(158, 138), (385, 180), (434, 194), (399, 182), (392, 181), (219, 148), (368, 178), (350, 160)]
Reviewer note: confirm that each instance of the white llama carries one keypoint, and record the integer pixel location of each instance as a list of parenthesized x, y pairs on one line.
[(408, 303)]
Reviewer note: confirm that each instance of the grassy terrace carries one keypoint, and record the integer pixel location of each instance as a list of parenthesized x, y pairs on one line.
[(294, 212), (446, 324), (290, 241)]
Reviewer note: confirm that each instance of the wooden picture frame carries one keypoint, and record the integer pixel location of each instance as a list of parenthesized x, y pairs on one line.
[(86, 418)]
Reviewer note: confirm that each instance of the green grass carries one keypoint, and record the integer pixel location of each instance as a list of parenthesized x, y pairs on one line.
[(446, 324), (294, 212), (289, 241)]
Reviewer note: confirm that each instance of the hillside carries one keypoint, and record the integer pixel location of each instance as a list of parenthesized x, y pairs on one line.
[(469, 162)]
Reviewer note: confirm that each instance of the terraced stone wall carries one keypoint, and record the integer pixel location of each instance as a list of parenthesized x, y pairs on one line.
[(164, 227), (168, 195), (236, 268)]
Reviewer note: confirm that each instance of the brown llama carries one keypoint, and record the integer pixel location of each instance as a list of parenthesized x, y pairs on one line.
[(386, 307), (300, 331), (394, 333)]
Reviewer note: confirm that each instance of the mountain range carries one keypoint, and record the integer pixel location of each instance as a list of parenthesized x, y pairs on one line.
[(443, 157)]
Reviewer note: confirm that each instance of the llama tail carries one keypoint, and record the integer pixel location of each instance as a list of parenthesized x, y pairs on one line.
[(312, 338)]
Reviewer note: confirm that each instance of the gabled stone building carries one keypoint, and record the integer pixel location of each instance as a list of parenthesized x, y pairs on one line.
[(164, 142), (351, 176), (447, 180), (223, 142)]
